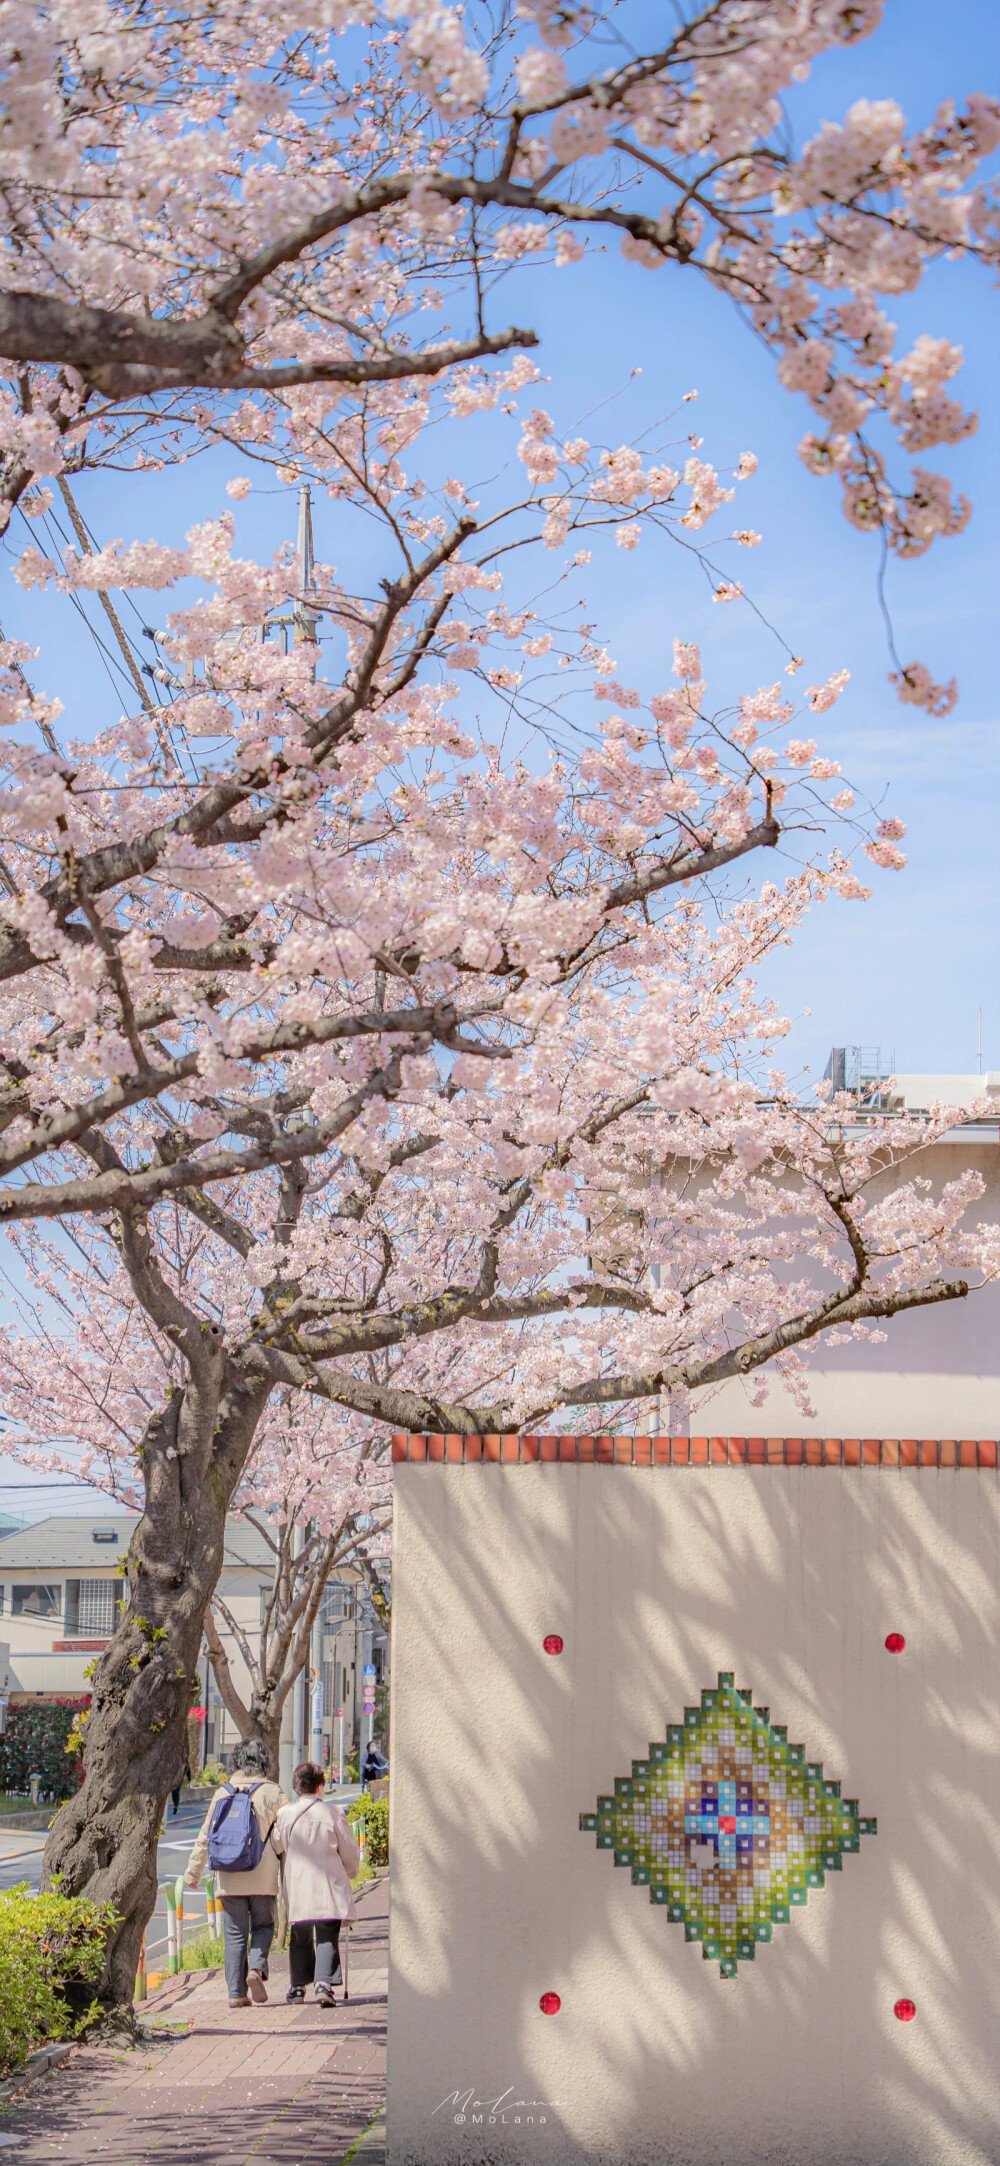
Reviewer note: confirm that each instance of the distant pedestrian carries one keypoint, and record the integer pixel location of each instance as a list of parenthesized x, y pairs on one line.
[(319, 1856), (178, 1787), (234, 1843), (375, 1765)]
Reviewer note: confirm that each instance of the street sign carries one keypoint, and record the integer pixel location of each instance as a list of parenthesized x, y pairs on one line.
[(369, 1670)]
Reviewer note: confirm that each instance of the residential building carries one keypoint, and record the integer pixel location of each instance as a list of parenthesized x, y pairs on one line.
[(61, 1583), (937, 1371)]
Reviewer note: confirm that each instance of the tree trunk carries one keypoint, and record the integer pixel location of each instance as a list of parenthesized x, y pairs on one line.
[(103, 1842)]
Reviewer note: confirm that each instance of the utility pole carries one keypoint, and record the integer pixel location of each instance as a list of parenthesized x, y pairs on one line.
[(318, 1707)]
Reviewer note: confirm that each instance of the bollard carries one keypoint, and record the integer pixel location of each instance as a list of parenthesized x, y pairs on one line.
[(141, 1987), (213, 1905), (179, 1902), (171, 1926)]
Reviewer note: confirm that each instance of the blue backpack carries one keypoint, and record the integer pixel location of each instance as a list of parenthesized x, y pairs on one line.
[(235, 1843)]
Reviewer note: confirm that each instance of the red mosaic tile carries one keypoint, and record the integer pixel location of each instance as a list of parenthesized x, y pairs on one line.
[(987, 1451), (510, 1448), (852, 1451), (870, 1452), (453, 1449), (699, 1451), (400, 1448), (890, 1451), (757, 1450), (775, 1451), (548, 1448), (718, 1451), (968, 1455), (947, 1452), (833, 1451), (491, 1447), (435, 1447), (661, 1450), (794, 1451), (813, 1451), (680, 1451)]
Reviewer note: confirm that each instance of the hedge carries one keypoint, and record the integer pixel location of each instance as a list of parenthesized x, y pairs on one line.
[(35, 1744), (372, 1815), (48, 1943)]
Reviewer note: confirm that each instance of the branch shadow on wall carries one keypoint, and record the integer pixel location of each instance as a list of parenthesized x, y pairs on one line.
[(656, 1580)]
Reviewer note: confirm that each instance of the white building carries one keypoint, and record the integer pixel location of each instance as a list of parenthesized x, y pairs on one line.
[(937, 1374), (60, 1598)]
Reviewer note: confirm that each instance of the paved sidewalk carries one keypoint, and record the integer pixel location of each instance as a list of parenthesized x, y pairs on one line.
[(270, 2086)]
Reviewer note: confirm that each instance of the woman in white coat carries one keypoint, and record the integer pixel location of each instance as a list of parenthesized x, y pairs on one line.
[(319, 1856)]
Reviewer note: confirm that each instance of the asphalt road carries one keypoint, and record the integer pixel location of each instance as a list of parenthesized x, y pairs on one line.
[(21, 1860)]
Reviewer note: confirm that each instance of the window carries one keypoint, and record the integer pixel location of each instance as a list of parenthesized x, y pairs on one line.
[(103, 1534), (36, 1601), (96, 1616)]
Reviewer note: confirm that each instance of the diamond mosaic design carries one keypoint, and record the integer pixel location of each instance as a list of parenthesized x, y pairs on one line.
[(728, 1825)]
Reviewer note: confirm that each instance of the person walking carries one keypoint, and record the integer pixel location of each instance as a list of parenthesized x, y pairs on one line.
[(178, 1787), (319, 1856), (234, 1842)]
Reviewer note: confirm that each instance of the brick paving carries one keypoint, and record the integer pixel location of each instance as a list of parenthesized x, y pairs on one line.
[(267, 2086)]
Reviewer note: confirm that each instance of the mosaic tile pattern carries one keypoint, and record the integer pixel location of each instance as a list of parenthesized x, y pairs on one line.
[(728, 1825)]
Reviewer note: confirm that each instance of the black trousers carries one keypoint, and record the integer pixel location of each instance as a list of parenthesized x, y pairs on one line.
[(318, 1959)]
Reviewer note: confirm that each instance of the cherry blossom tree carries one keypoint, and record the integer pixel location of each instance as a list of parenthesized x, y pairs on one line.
[(350, 164), (448, 1110), (318, 1494), (373, 1033)]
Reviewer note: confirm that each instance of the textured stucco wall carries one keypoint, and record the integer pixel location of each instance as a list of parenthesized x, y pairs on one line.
[(658, 1579)]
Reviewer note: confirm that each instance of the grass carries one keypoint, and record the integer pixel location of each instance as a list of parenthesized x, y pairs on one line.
[(202, 1954)]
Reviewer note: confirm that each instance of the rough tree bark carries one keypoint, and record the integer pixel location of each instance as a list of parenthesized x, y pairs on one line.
[(103, 1841)]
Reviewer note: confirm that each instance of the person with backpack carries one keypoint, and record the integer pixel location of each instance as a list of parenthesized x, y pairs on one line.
[(234, 1843), (319, 1857)]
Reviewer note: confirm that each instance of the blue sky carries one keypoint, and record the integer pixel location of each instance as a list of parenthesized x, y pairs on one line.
[(909, 970)]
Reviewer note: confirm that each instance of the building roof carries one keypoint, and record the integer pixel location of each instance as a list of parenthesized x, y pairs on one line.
[(68, 1545)]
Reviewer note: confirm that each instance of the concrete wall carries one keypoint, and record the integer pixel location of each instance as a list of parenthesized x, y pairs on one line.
[(657, 1579)]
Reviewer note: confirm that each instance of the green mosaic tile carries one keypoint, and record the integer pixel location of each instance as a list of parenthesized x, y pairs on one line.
[(728, 1825)]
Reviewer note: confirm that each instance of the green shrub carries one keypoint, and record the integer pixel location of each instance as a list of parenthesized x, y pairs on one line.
[(203, 1953), (213, 1772), (371, 1815), (48, 1943), (35, 1744)]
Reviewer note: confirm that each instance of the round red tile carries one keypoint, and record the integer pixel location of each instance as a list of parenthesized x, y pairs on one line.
[(550, 2004), (905, 2011), (552, 1643), (895, 1643)]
